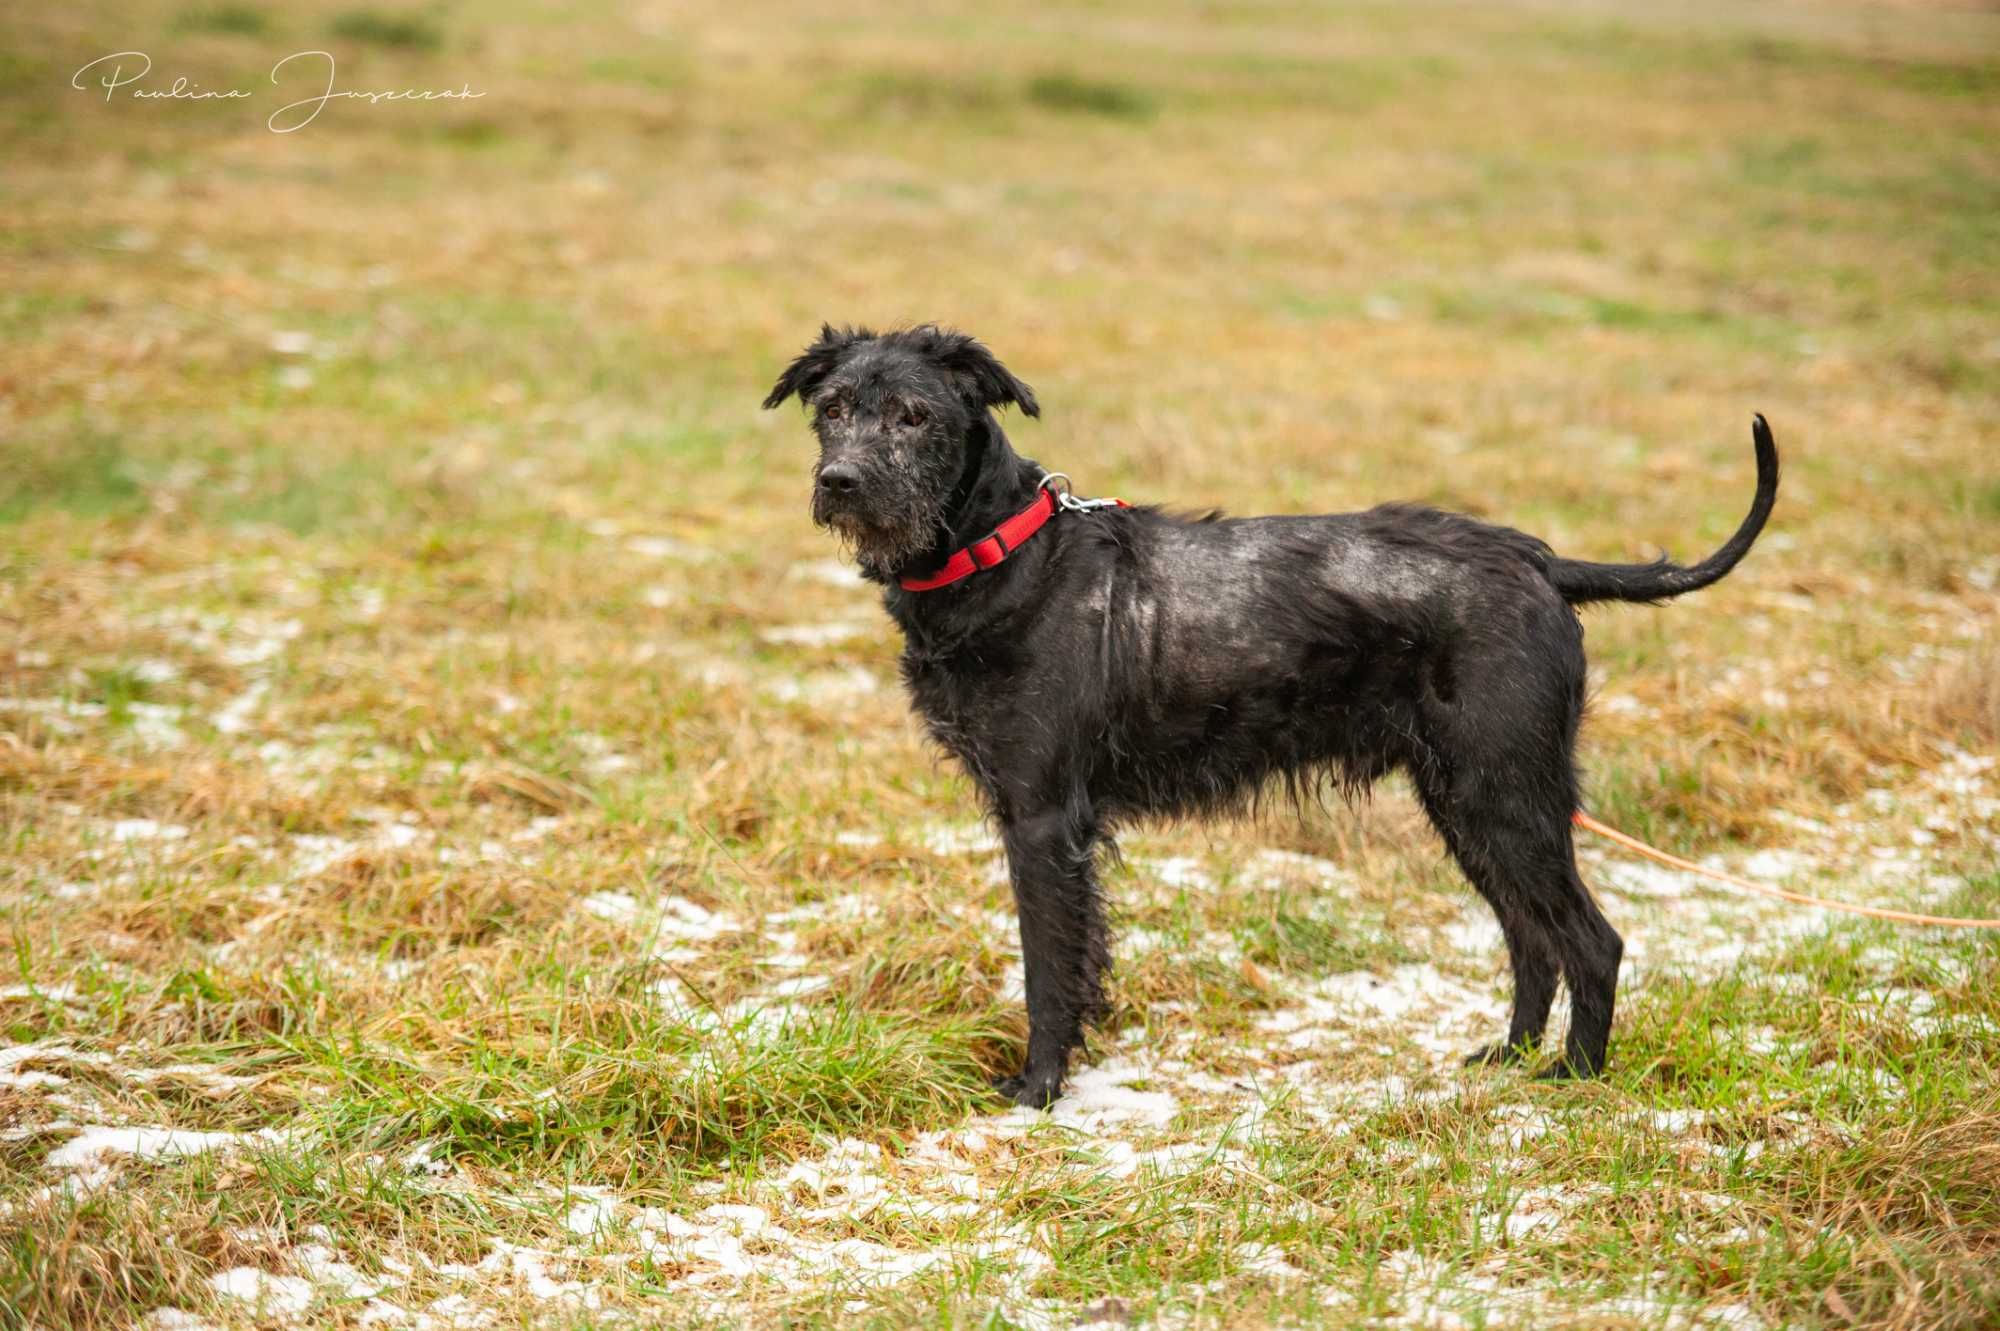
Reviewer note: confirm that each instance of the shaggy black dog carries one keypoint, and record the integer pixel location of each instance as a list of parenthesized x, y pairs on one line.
[(1093, 665)]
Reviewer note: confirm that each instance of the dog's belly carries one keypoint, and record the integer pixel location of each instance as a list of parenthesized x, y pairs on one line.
[(1219, 740)]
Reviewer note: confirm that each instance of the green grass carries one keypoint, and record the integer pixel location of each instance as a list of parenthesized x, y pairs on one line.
[(84, 473), (413, 32), (1079, 96), (234, 20)]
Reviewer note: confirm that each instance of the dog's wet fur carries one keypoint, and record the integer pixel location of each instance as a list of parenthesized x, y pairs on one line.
[(1131, 663)]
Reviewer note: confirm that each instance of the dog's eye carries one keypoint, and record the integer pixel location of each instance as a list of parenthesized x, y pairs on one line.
[(832, 411), (913, 417)]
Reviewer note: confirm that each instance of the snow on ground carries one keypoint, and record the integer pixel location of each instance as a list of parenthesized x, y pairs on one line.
[(668, 547), (90, 1158), (826, 572), (960, 839), (824, 687), (925, 1200), (1436, 1296), (823, 633), (1437, 1013), (1134, 1111)]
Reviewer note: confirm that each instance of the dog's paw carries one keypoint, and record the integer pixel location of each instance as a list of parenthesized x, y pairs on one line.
[(1495, 1055), (1028, 1090), (1567, 1069)]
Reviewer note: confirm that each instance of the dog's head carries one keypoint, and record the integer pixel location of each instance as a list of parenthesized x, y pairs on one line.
[(899, 417)]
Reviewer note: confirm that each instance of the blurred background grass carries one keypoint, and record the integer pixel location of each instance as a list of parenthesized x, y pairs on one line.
[(1535, 261)]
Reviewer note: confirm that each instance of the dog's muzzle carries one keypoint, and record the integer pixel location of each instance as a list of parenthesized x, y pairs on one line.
[(837, 480)]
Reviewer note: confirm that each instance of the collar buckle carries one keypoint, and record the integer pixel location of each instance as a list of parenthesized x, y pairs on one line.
[(1068, 502)]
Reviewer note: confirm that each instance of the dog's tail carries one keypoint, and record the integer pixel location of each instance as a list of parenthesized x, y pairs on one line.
[(1579, 581)]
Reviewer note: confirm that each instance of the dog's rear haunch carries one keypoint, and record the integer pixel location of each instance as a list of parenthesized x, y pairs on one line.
[(1128, 662)]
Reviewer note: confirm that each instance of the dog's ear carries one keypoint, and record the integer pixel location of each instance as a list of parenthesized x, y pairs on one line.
[(815, 363), (986, 381)]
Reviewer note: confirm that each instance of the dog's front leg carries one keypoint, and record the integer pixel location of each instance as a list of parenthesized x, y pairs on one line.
[(1065, 947)]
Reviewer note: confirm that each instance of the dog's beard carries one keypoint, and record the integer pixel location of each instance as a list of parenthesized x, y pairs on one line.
[(887, 537)]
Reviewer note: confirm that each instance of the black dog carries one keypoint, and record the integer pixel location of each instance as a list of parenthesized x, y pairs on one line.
[(1090, 665)]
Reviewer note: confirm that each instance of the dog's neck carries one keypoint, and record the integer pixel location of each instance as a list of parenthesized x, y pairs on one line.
[(994, 485)]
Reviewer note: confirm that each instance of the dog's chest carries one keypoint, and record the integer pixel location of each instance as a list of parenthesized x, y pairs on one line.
[(960, 693)]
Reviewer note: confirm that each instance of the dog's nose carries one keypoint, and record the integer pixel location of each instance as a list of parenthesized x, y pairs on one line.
[(840, 478)]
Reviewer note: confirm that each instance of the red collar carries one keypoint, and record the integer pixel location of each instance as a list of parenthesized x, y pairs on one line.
[(1004, 540)]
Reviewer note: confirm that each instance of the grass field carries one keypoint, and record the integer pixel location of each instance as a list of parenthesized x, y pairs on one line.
[(466, 858)]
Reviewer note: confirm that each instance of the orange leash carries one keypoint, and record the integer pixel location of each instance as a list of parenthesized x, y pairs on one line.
[(1585, 821)]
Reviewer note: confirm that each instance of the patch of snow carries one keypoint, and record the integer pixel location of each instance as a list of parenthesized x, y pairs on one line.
[(1263, 1259), (47, 1051), (91, 1155), (849, 906), (965, 839), (420, 1160), (1122, 1160), (54, 993), (1520, 1125), (830, 572), (821, 687), (177, 1319), (1477, 932), (236, 716), (1676, 1122), (667, 547), (601, 756), (196, 1074), (787, 956), (259, 643), (1274, 868), (1774, 865), (314, 854), (596, 1211), (1182, 872), (1638, 878), (537, 828), (270, 1295), (1430, 1009), (824, 634), (156, 725), (1096, 1097), (672, 917), (144, 829), (621, 907)]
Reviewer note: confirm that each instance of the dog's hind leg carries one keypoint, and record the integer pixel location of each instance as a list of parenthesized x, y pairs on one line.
[(1536, 968), (1534, 863), (1531, 950), (1504, 811), (1591, 950), (1065, 945), (1495, 766)]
